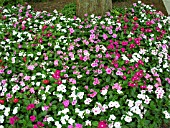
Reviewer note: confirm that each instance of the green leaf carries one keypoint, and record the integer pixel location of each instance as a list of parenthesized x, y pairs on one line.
[(108, 79), (95, 123)]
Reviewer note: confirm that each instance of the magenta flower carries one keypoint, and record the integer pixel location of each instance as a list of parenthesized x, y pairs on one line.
[(79, 126), (56, 75), (124, 43), (40, 40), (70, 126), (40, 124), (30, 106), (13, 119), (66, 103), (35, 126), (102, 124), (32, 118)]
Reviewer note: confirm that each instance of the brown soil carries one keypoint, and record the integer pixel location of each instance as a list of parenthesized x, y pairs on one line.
[(59, 4)]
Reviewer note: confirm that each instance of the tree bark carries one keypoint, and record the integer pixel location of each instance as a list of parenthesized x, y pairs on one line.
[(97, 7)]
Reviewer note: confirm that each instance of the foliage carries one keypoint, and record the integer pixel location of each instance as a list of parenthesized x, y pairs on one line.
[(69, 10), (98, 71)]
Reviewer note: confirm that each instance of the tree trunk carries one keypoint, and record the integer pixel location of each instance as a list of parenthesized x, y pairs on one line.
[(97, 7)]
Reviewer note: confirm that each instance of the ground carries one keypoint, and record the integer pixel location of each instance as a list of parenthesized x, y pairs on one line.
[(59, 4)]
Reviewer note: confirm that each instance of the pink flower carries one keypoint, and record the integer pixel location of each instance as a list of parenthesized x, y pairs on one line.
[(71, 30), (9, 71), (27, 78), (105, 36), (56, 63), (119, 73), (46, 108), (79, 126), (66, 103), (114, 35), (108, 71), (32, 118), (32, 90), (168, 80), (96, 81), (116, 86), (70, 126)]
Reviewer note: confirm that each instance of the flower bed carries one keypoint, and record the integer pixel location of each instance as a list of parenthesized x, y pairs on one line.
[(99, 72)]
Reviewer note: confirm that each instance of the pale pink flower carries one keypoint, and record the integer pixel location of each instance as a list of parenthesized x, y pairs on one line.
[(56, 63), (32, 90), (30, 67)]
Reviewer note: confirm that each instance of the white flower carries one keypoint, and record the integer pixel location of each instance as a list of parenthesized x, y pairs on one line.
[(116, 104), (128, 119), (37, 83), (1, 119), (88, 101), (15, 110), (63, 81), (33, 78), (80, 114), (43, 97), (63, 120), (88, 123), (141, 96), (112, 117), (66, 117), (87, 111), (2, 107), (1, 126), (104, 92), (65, 110), (131, 103), (119, 91), (58, 124), (7, 110), (80, 95), (71, 121), (124, 57), (60, 96), (73, 88), (96, 110), (38, 53), (117, 125), (111, 104), (49, 119)]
